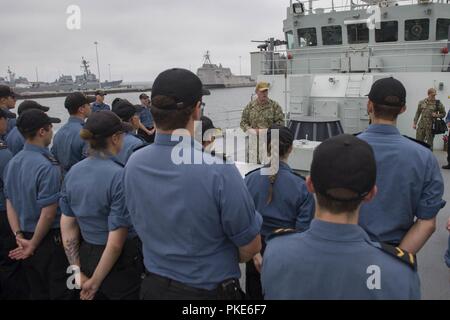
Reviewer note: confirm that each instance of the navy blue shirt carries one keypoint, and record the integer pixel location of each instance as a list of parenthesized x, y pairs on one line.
[(93, 193), (15, 141), (292, 205), (130, 142), (32, 182), (99, 107), (146, 117), (334, 261), (409, 182), (68, 147), (5, 156), (191, 218)]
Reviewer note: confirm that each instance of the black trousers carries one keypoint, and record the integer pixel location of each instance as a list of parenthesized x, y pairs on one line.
[(253, 288), (46, 269), (13, 283), (149, 138), (448, 150), (156, 287), (124, 280)]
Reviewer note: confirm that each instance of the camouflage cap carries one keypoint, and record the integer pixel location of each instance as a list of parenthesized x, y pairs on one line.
[(262, 86)]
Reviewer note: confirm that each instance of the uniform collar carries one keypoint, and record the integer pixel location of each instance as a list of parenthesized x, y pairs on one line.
[(383, 128), (285, 166), (173, 140), (35, 148), (337, 232), (76, 120)]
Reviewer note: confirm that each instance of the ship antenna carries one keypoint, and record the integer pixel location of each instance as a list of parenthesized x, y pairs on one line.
[(207, 59)]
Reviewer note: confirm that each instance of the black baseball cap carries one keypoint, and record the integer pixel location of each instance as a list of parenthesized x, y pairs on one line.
[(34, 119), (179, 84), (6, 91), (104, 124), (77, 99), (343, 162), (388, 92), (143, 96), (30, 104), (125, 109), (207, 124), (6, 114), (100, 93)]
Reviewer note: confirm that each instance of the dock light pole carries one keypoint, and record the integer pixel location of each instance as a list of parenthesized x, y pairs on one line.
[(240, 66), (98, 65), (109, 68)]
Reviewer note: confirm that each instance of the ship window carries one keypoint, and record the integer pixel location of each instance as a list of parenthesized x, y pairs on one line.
[(417, 29), (442, 29), (358, 33), (388, 32), (332, 35), (290, 39), (307, 37)]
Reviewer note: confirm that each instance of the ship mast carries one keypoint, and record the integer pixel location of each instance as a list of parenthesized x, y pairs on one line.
[(207, 59), (85, 67), (11, 75)]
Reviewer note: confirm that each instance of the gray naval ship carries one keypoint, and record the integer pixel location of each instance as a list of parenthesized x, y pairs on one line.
[(65, 83), (323, 69), (216, 76), (335, 51)]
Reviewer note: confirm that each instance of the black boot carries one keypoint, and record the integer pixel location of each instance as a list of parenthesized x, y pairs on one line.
[(446, 167)]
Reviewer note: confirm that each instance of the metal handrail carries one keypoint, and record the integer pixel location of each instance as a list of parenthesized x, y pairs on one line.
[(358, 5)]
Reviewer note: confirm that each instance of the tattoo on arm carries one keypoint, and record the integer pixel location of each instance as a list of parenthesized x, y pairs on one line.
[(72, 248)]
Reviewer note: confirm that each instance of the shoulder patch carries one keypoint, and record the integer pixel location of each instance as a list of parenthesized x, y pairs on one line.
[(3, 145), (51, 158), (426, 145), (280, 232), (402, 255)]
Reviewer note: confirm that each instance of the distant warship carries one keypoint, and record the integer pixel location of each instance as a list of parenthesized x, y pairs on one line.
[(65, 83), (214, 76)]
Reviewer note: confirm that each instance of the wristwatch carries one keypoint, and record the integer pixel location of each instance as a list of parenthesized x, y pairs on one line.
[(16, 233)]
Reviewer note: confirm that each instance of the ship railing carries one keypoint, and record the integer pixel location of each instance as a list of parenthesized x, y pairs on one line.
[(321, 6), (280, 64)]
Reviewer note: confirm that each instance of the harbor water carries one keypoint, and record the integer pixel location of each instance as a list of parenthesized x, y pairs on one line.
[(223, 106)]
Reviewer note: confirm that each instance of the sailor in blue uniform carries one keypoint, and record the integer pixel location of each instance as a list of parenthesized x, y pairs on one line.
[(147, 129), (92, 203), (199, 221), (129, 114), (68, 147), (283, 201), (8, 102), (335, 258), (32, 189), (99, 103), (15, 139), (409, 178), (9, 288)]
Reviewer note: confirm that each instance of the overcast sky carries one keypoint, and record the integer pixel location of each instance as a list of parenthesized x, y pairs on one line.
[(138, 38)]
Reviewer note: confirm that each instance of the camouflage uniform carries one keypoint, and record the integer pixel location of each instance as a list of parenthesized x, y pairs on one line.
[(424, 111), (260, 116)]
